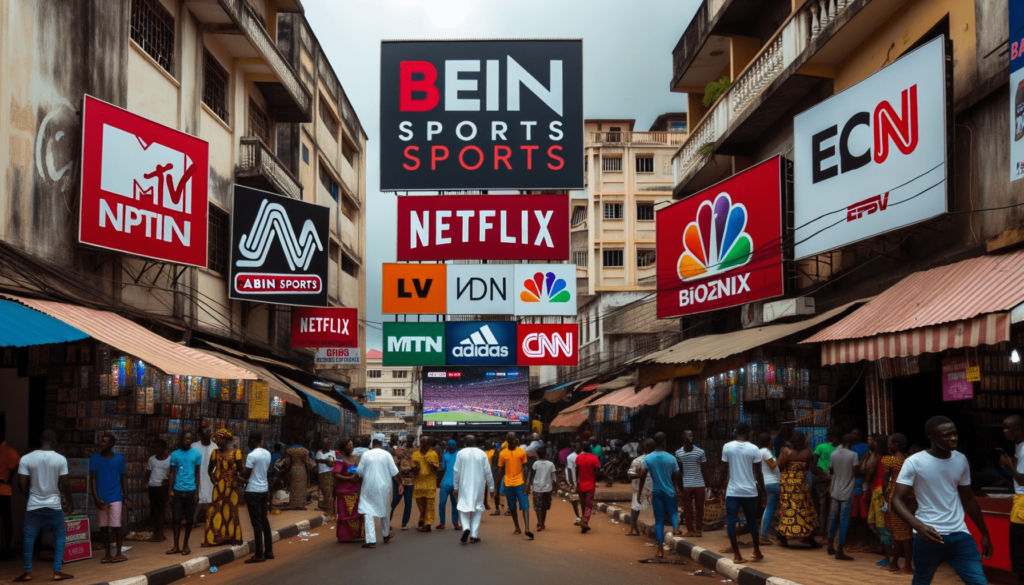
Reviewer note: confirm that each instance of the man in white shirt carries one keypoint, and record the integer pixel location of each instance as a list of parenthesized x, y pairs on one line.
[(205, 446), (745, 483), (1013, 430), (941, 480), (631, 449), (257, 497), (377, 468), (472, 473), (43, 475), (570, 478)]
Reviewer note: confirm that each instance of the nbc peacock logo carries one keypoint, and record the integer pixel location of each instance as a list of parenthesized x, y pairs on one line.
[(544, 287), (717, 241)]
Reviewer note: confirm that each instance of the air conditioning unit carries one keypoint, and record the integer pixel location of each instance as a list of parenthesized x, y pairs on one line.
[(788, 308), (752, 315)]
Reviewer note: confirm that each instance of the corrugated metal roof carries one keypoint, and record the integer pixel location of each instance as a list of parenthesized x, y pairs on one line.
[(567, 422), (251, 357), (326, 406), (138, 341), (716, 347), (277, 388), (582, 403), (626, 397), (620, 382), (955, 292), (21, 326)]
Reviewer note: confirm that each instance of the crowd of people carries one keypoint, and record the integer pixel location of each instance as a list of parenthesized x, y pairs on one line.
[(501, 397)]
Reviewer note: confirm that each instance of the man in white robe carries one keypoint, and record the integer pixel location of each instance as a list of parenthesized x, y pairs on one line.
[(377, 468), (205, 446), (472, 473)]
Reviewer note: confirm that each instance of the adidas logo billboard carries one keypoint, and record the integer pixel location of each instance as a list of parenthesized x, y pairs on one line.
[(480, 343)]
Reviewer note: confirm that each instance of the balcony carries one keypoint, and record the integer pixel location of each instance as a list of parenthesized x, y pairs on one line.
[(636, 138), (258, 168)]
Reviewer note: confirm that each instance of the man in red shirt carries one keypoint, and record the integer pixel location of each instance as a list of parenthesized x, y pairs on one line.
[(587, 465)]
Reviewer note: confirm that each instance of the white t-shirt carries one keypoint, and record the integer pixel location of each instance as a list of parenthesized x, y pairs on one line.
[(1017, 488), (258, 461), (935, 484), (570, 466), (159, 470), (771, 476), (632, 449), (323, 468), (205, 483), (741, 458), (43, 469)]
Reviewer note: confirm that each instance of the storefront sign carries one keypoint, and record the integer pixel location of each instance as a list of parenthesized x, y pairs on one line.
[(1016, 89), (143, 186), (77, 545), (481, 289), (414, 289), (414, 344), (722, 247), (259, 400), (278, 249), (545, 289), (548, 345), (974, 373), (481, 115), (325, 327), (480, 343), (872, 158), (483, 227), (955, 385), (337, 356)]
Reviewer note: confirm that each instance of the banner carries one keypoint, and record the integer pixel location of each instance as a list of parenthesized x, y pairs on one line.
[(483, 227), (320, 327), (872, 159), (955, 384), (337, 356), (466, 115), (481, 289), (1016, 89), (414, 344), (548, 345), (722, 246), (480, 343), (278, 249), (143, 186), (259, 400), (410, 289), (545, 289)]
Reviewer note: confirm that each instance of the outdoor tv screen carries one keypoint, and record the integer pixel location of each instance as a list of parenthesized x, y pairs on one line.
[(476, 398)]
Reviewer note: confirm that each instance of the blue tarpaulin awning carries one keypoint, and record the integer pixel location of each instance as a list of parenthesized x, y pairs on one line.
[(21, 326), (360, 409), (317, 402)]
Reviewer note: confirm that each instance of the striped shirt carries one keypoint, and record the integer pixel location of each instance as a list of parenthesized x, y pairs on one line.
[(690, 462)]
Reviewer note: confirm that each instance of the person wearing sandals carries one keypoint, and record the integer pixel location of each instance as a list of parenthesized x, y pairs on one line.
[(108, 480), (223, 525), (377, 468), (43, 475), (185, 464)]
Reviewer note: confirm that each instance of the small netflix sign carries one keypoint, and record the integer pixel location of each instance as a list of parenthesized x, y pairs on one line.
[(325, 327), (483, 227)]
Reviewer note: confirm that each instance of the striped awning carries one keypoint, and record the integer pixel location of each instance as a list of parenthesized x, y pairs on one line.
[(627, 398)]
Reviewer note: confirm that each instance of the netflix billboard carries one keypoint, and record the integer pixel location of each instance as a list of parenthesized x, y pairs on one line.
[(488, 114), (722, 246), (325, 327), (483, 227), (143, 186)]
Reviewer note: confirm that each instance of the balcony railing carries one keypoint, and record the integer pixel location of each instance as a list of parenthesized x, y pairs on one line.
[(788, 44), (256, 160), (642, 138)]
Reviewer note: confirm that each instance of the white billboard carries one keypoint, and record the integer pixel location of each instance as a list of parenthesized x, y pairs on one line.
[(545, 289), (337, 356), (872, 158), (481, 289)]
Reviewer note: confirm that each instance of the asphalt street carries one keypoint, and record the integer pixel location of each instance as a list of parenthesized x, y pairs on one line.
[(559, 554)]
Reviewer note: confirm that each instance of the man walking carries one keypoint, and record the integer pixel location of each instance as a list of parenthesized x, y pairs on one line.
[(43, 475), (845, 466), (206, 447), (772, 477), (108, 482), (587, 465), (1013, 430), (742, 492), (472, 479), (693, 464), (406, 477), (324, 460), (448, 486), (542, 481), (185, 473), (572, 480), (822, 459), (377, 468), (641, 500), (663, 470), (257, 497), (510, 470), (941, 480)]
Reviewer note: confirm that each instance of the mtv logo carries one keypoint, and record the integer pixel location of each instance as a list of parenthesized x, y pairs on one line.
[(134, 168)]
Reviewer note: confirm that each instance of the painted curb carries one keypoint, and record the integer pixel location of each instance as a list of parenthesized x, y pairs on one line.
[(197, 565)]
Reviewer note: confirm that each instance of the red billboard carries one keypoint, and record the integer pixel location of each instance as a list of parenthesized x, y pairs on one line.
[(483, 227), (325, 327), (548, 345), (722, 246), (143, 186)]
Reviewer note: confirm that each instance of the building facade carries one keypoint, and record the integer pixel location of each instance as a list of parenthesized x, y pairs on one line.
[(393, 393)]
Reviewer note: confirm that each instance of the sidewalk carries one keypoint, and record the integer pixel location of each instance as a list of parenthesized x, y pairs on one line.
[(149, 565)]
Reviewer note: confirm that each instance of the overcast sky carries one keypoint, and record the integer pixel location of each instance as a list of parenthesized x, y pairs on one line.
[(627, 58)]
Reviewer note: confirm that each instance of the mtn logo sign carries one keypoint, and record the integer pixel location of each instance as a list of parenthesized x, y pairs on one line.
[(481, 343), (414, 344)]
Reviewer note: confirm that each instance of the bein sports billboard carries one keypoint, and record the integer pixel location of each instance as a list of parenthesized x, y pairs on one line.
[(476, 399)]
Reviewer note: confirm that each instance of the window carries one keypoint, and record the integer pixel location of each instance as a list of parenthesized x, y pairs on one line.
[(348, 151), (613, 258), (613, 211), (349, 267), (328, 119), (645, 164), (645, 212), (677, 126), (305, 154), (615, 134), (376, 392), (215, 86), (613, 165), (258, 122), (328, 182), (400, 373), (586, 163), (373, 373), (398, 392), (645, 258), (152, 28), (219, 250), (579, 215), (580, 259)]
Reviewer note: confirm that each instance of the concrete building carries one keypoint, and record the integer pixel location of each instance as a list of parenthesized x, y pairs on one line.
[(395, 393)]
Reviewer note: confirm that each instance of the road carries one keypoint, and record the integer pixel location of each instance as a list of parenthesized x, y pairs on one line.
[(559, 554)]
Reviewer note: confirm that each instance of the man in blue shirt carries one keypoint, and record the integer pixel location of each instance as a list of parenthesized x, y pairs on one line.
[(663, 470), (448, 486), (184, 481), (108, 476)]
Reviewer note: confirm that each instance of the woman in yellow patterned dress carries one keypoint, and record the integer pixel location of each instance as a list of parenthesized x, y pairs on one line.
[(425, 463), (902, 535), (798, 519), (222, 522)]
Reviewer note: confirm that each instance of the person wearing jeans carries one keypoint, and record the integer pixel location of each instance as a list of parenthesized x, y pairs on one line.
[(745, 485), (406, 478), (663, 470), (692, 464), (845, 467), (770, 472), (257, 497), (43, 475), (448, 486)]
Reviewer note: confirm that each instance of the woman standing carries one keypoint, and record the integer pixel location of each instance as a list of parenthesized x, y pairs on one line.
[(799, 519), (325, 460), (222, 523), (873, 475), (298, 459), (425, 463), (641, 501), (347, 484), (902, 536)]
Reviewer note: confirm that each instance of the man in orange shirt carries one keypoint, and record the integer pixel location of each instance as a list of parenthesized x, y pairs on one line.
[(510, 467), (9, 459)]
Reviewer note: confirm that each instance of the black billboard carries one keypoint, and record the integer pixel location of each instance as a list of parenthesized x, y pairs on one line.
[(278, 249), (468, 115)]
